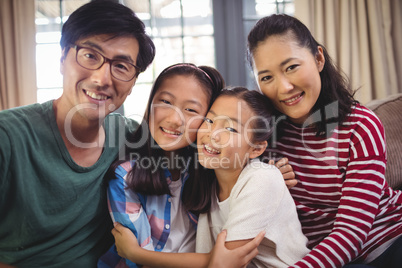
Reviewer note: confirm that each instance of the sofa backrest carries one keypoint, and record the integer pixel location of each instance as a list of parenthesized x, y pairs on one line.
[(389, 110)]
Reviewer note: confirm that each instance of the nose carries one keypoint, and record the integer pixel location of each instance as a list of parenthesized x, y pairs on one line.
[(102, 76), (210, 131), (215, 133), (284, 84), (175, 116), (215, 136)]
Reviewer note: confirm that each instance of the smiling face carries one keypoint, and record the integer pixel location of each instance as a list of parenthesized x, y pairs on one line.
[(177, 111), (96, 93), (289, 75), (224, 140)]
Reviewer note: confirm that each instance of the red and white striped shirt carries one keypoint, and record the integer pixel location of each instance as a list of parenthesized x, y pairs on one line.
[(346, 208)]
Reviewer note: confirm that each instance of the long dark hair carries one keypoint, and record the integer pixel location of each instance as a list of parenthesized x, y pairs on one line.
[(107, 17), (205, 179), (151, 180), (334, 84)]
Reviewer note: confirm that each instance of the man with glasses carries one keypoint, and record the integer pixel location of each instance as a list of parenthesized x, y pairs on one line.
[(53, 156)]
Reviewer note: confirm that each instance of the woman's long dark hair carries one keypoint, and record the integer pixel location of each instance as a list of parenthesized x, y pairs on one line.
[(334, 84), (150, 180), (261, 107)]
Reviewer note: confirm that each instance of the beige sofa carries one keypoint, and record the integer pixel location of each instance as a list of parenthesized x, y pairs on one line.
[(389, 110)]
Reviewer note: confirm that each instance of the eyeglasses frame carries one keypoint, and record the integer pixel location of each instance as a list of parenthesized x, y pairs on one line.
[(105, 59)]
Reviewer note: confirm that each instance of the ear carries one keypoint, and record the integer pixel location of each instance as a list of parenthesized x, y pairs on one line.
[(320, 59), (258, 149), (62, 60)]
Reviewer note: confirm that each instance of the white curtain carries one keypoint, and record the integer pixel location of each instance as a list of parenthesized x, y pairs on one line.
[(17, 53), (364, 37)]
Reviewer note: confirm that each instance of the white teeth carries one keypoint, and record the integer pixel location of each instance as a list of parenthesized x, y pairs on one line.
[(171, 132), (292, 99), (211, 150), (95, 96)]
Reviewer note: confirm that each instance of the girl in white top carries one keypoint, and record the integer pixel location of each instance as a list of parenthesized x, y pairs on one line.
[(248, 195), (243, 195)]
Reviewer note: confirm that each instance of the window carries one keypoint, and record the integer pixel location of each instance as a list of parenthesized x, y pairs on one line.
[(233, 19), (204, 32), (182, 31), (49, 17)]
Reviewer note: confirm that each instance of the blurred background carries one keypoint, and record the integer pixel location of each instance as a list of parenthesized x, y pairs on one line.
[(363, 37)]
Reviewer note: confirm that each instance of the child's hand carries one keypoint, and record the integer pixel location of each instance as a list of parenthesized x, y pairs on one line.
[(287, 171), (239, 257), (125, 240)]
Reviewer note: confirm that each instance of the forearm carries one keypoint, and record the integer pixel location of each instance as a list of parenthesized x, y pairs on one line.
[(358, 207), (169, 260)]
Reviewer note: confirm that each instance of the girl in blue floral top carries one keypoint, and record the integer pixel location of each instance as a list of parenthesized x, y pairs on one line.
[(151, 192)]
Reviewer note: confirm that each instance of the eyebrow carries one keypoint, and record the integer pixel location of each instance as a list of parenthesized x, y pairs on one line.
[(97, 47), (231, 118), (281, 65)]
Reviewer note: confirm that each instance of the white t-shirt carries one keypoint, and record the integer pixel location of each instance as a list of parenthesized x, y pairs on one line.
[(259, 201)]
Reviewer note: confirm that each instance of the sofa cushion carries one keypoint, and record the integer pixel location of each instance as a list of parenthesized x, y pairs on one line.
[(389, 110)]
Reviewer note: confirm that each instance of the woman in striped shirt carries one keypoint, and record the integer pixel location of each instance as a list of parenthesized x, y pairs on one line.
[(335, 145)]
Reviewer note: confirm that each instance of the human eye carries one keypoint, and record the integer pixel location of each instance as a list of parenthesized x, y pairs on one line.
[(206, 119), (230, 126), (121, 66), (231, 129), (266, 78), (292, 67), (191, 110), (195, 110), (89, 54), (166, 102)]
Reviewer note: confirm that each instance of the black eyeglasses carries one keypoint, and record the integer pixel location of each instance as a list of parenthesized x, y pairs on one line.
[(91, 59)]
